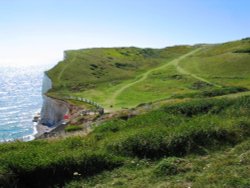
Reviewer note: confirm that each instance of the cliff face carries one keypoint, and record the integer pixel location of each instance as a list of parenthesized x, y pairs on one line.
[(47, 84), (52, 110)]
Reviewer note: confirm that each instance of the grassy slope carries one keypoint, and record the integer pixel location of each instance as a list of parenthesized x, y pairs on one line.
[(220, 64), (209, 140), (198, 143), (125, 77), (99, 73), (228, 168)]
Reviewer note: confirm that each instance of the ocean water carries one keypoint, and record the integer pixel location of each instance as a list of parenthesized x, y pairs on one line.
[(20, 99)]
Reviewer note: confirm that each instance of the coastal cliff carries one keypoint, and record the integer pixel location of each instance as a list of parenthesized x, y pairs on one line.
[(52, 110), (168, 124)]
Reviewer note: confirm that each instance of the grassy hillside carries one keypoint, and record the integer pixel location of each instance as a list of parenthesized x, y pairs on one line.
[(97, 74), (225, 64), (199, 143), (189, 125), (96, 66), (125, 77)]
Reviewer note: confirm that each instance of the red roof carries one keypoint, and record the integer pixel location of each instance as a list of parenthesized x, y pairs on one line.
[(66, 116)]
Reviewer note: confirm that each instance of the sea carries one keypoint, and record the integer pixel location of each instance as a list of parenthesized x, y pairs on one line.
[(20, 100)]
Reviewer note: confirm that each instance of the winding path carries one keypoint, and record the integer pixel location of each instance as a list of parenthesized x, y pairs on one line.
[(64, 68), (144, 76), (185, 72)]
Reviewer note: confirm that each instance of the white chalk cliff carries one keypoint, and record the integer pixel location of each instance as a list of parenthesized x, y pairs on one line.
[(52, 110)]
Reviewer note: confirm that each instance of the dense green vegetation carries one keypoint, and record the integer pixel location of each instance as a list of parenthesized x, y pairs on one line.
[(125, 77), (71, 128), (99, 73), (191, 126), (220, 64), (174, 142)]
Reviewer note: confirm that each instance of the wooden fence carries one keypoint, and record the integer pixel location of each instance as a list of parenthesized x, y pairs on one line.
[(100, 108)]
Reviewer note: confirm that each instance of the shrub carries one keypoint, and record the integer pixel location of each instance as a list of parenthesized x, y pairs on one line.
[(124, 65), (222, 91), (71, 128), (58, 171), (146, 144), (170, 166), (247, 38), (196, 107), (111, 126), (242, 51), (211, 92), (148, 52), (177, 141), (200, 85)]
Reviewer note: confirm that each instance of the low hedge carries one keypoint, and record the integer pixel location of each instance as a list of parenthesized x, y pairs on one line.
[(222, 91), (170, 166), (177, 141), (26, 172), (197, 107), (71, 128)]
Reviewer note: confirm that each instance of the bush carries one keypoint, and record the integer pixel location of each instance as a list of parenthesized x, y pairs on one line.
[(196, 107), (177, 141), (211, 92), (242, 51), (71, 128), (170, 166), (146, 144), (200, 85), (111, 126), (58, 171), (222, 91)]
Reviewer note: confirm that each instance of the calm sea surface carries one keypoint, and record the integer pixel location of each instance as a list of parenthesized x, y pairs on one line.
[(20, 99)]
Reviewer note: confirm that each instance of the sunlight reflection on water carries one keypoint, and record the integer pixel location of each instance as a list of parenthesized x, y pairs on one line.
[(20, 98)]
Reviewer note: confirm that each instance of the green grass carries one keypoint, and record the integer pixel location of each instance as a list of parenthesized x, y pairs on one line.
[(46, 163), (125, 77), (72, 128), (195, 135), (173, 142), (220, 64), (103, 74), (216, 169), (168, 148)]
